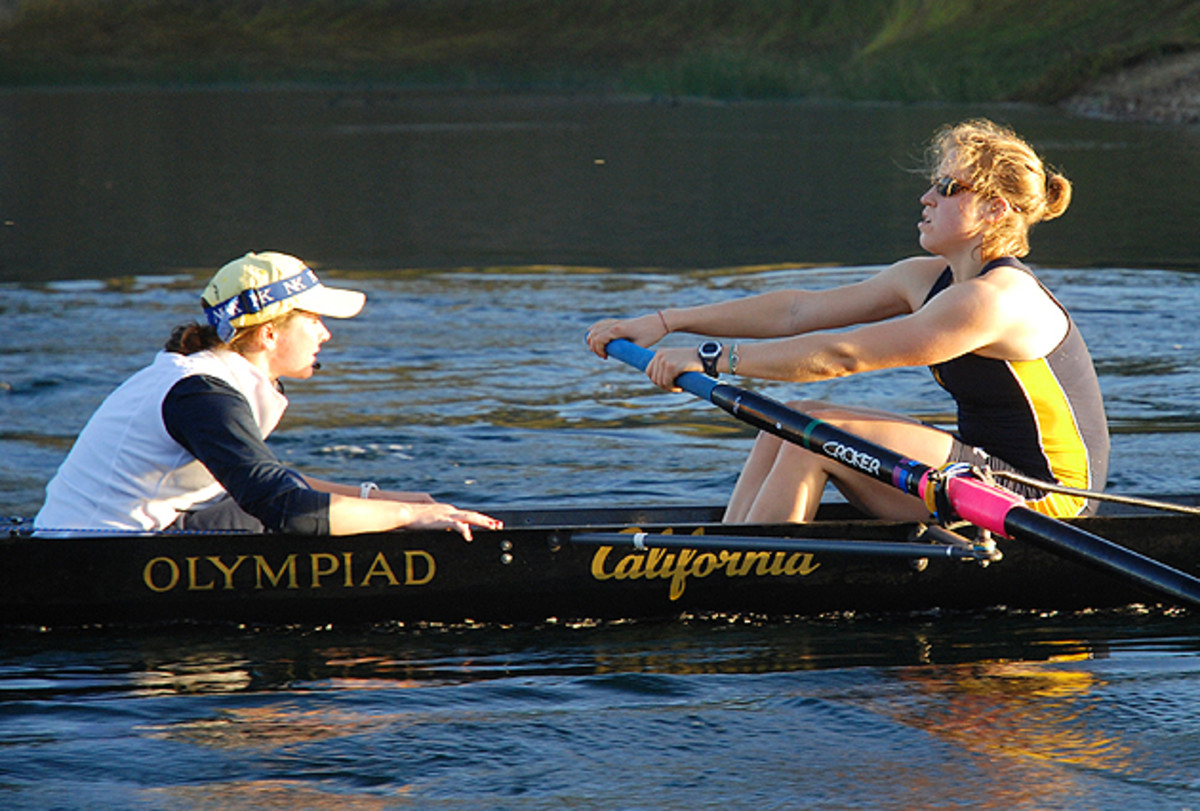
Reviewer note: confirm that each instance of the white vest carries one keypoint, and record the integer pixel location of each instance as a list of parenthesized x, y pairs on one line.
[(125, 471)]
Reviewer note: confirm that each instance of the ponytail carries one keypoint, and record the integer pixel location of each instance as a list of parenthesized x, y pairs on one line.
[(187, 339)]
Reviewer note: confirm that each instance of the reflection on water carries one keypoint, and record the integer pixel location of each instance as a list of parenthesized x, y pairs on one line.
[(1022, 721), (984, 711), (268, 727), (274, 794)]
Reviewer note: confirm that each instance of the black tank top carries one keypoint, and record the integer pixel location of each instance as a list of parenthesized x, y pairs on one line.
[(1045, 417)]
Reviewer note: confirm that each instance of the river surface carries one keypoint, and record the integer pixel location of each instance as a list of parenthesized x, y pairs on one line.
[(488, 231)]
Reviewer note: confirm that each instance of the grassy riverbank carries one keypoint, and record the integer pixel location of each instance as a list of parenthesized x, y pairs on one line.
[(902, 50)]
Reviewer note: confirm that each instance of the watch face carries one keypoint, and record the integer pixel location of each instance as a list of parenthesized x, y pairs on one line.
[(710, 348)]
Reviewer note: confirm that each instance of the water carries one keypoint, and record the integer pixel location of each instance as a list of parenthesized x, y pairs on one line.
[(466, 376), (984, 712), (128, 181), (476, 386)]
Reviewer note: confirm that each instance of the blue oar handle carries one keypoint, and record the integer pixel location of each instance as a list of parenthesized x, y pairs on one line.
[(639, 357)]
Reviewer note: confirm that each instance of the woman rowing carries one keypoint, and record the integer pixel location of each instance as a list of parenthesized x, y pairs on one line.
[(180, 445), (996, 339)]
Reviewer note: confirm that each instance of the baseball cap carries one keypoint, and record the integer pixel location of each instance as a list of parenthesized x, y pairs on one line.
[(260, 287)]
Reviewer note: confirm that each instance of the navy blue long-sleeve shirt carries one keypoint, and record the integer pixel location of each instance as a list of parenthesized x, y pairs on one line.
[(213, 422)]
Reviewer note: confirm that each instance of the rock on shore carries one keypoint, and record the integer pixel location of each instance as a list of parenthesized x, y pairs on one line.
[(1165, 90)]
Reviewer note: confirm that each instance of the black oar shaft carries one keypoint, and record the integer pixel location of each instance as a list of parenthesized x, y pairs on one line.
[(821, 437), (1098, 553)]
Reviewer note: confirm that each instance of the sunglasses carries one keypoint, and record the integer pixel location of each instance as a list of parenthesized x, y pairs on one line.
[(947, 186)]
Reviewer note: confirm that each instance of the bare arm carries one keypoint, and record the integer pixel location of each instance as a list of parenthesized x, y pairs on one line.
[(326, 486), (778, 313), (795, 312), (349, 515), (976, 316), (392, 509)]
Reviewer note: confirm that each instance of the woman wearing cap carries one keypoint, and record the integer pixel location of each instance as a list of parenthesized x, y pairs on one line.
[(180, 445), (996, 339)]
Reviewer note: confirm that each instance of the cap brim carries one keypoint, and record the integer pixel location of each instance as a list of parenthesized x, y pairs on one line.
[(334, 302)]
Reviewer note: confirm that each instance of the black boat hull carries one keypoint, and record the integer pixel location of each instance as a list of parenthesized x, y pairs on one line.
[(531, 571)]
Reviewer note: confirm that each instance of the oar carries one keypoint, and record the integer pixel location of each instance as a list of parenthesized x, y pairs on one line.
[(984, 505)]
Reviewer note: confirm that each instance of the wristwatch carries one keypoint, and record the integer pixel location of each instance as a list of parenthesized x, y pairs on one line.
[(710, 353)]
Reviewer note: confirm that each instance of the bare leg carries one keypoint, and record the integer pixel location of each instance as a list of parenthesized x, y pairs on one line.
[(782, 482), (754, 472)]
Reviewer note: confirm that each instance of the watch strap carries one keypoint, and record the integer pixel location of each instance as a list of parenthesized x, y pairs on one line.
[(709, 359)]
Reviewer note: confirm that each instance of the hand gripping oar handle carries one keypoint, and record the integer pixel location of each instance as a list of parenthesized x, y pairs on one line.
[(980, 503)]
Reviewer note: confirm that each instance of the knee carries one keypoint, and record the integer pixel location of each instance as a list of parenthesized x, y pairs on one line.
[(794, 457), (782, 454)]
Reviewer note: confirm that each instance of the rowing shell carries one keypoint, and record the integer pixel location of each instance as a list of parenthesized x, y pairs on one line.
[(565, 563)]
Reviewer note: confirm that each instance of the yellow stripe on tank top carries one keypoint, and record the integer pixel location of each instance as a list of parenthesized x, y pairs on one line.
[(1061, 440)]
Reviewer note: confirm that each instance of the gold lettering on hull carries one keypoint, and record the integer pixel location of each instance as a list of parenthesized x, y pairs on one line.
[(416, 567), (676, 567), (317, 570)]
